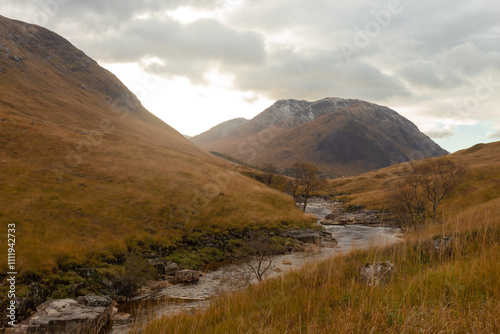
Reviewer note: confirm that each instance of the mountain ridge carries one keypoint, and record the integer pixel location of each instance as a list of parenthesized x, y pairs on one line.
[(292, 130)]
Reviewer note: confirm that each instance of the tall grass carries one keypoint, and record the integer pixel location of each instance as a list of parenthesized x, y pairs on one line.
[(456, 291)]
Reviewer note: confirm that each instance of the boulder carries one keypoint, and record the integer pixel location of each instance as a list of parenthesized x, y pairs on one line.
[(330, 222), (171, 268), (88, 314), (306, 236), (332, 216), (187, 276), (163, 267), (375, 274), (444, 244)]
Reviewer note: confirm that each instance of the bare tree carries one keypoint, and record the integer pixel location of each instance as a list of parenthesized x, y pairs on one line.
[(307, 180), (261, 261), (425, 183), (438, 178), (408, 203), (260, 266)]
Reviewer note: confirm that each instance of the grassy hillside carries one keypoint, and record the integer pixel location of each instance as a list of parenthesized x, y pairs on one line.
[(457, 290), (481, 183), (86, 173)]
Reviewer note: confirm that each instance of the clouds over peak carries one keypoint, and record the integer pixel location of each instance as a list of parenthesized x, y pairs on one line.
[(426, 56), (183, 49)]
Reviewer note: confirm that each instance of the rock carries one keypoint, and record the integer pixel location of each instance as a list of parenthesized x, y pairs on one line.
[(306, 236), (122, 319), (163, 267), (332, 216), (171, 268), (88, 314), (375, 274), (187, 276), (330, 222), (92, 300), (444, 244), (311, 248)]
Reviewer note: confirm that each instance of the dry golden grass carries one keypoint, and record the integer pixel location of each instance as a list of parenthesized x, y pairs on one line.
[(480, 185), (429, 291), (84, 173)]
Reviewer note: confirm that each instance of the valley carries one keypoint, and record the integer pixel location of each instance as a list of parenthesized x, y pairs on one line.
[(334, 215)]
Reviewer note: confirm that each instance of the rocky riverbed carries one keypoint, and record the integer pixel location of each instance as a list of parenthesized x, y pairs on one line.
[(224, 277)]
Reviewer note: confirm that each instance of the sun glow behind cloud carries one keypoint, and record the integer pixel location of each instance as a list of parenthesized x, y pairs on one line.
[(194, 108), (200, 62)]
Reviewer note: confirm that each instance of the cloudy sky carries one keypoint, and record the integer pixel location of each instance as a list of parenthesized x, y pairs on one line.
[(197, 63)]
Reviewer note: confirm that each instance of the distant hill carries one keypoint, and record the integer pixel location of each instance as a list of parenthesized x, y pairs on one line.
[(342, 136), (218, 131), (87, 173)]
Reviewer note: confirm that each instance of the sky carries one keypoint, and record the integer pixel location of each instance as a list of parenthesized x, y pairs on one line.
[(197, 63)]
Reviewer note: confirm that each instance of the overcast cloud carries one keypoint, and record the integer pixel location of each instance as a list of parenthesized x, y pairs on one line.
[(438, 61)]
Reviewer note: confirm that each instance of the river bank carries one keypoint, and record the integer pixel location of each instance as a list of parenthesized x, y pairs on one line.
[(225, 277)]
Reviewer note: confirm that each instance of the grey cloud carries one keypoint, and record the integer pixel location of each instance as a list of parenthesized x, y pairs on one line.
[(494, 135), (185, 49), (431, 53), (441, 133), (428, 73), (290, 74)]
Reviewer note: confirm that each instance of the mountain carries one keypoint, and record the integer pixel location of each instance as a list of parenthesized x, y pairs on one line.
[(88, 174), (218, 131), (342, 136)]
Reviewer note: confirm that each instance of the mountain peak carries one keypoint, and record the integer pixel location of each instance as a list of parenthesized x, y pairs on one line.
[(341, 136)]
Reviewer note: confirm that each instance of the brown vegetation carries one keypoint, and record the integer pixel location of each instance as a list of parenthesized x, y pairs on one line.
[(88, 174), (423, 184), (433, 289)]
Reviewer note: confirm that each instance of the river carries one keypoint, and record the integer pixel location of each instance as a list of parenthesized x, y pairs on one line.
[(233, 276)]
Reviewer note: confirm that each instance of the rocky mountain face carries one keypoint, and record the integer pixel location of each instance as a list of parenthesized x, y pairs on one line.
[(342, 136), (218, 131), (287, 114)]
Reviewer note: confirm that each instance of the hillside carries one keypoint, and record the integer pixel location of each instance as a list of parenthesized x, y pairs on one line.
[(342, 137), (88, 174), (218, 131), (481, 185), (453, 288)]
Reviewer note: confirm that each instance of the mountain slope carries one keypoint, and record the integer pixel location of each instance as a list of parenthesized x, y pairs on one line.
[(218, 131), (87, 173), (342, 137)]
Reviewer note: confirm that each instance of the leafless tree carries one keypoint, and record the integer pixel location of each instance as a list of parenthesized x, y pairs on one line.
[(438, 178), (260, 263), (408, 203), (426, 183), (307, 180), (260, 266)]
